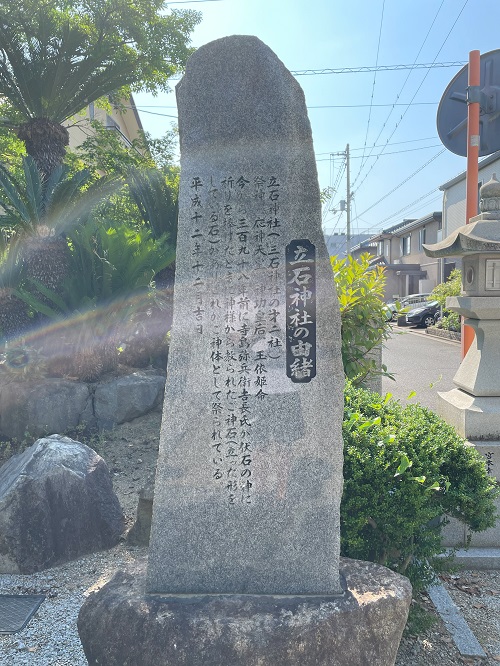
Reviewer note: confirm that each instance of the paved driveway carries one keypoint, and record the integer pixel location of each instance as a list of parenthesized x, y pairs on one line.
[(421, 363)]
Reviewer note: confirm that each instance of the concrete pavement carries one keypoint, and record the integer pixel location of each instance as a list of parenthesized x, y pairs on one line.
[(420, 363)]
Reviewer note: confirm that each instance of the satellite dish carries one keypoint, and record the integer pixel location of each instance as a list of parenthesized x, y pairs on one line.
[(452, 111)]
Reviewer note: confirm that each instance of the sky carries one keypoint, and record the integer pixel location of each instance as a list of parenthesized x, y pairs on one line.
[(388, 118)]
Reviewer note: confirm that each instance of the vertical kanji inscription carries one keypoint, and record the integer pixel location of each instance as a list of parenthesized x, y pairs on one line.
[(300, 256)]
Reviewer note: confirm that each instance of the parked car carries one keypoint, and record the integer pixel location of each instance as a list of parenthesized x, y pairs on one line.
[(426, 315), (405, 303), (388, 312)]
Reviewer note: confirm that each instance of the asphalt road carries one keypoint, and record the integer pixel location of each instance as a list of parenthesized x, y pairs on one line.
[(420, 363)]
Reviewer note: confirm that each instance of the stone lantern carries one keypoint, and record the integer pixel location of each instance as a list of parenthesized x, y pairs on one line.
[(473, 408)]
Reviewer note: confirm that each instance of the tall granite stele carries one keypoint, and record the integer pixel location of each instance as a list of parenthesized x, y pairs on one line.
[(244, 560)]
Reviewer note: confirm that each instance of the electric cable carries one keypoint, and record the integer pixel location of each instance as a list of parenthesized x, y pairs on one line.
[(404, 181), (416, 92), (400, 91), (374, 81), (378, 68), (394, 152)]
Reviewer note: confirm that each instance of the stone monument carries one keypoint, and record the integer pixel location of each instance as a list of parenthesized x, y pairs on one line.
[(251, 440), (473, 407), (244, 560)]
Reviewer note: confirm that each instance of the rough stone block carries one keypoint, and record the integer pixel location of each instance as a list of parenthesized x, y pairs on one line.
[(125, 398), (44, 407), (141, 529), (122, 625)]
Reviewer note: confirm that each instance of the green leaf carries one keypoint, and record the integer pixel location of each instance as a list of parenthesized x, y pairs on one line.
[(404, 464)]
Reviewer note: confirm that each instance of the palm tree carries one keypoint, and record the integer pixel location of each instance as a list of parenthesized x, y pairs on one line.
[(56, 58), (37, 215), (14, 314)]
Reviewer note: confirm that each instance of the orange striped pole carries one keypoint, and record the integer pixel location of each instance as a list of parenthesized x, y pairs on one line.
[(473, 109)]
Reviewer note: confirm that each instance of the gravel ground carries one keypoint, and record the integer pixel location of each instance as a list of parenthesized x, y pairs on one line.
[(51, 637)]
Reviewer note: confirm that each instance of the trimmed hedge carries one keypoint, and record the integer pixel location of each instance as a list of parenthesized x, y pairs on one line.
[(404, 469)]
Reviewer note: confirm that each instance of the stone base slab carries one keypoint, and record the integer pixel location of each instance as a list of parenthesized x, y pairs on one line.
[(478, 558), (456, 534), (475, 418), (121, 625)]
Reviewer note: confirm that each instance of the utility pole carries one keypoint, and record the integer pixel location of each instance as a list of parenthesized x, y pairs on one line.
[(348, 202), (473, 111)]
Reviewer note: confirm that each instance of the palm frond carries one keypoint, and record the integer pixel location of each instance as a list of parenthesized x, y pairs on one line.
[(34, 189), (59, 203), (13, 200), (11, 268), (155, 201), (56, 75)]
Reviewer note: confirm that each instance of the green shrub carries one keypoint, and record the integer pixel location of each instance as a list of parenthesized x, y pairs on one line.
[(450, 323), (360, 290), (452, 287), (404, 469)]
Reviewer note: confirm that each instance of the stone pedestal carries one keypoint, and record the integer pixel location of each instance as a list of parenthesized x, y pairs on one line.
[(122, 625), (456, 534), (478, 372), (474, 418)]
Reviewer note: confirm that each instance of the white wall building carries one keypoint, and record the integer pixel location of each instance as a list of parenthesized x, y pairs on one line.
[(454, 192), (126, 123)]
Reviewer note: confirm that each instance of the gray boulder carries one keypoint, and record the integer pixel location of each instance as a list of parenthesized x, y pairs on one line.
[(125, 398), (56, 504), (42, 407)]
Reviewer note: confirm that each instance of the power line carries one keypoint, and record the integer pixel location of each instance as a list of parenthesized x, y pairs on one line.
[(394, 152), (188, 2), (416, 92), (151, 113), (378, 68), (400, 91), (320, 106), (410, 205), (395, 143), (334, 188), (361, 106), (357, 70), (373, 85), (404, 181)]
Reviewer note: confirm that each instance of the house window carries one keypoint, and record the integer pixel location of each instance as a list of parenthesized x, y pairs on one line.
[(406, 244), (421, 238), (380, 248), (439, 234), (387, 253)]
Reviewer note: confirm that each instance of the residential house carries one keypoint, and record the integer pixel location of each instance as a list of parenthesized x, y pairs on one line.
[(454, 195), (336, 243), (400, 250), (125, 122)]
